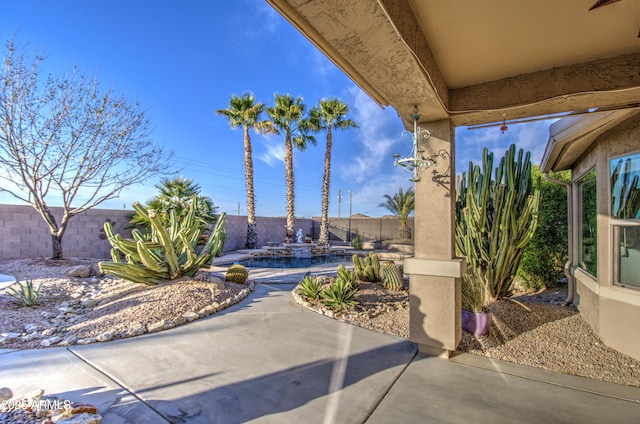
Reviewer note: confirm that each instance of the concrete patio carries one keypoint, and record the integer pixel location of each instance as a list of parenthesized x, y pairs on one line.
[(269, 360)]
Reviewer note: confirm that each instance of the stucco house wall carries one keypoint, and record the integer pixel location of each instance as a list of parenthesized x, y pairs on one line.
[(612, 311)]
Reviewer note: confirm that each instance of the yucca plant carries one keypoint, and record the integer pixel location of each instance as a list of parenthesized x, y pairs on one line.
[(310, 287), (339, 295), (25, 292)]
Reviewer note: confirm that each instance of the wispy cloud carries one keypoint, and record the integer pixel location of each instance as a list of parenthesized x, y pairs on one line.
[(373, 142), (272, 154)]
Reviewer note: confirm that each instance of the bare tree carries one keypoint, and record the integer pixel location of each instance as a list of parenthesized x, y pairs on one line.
[(61, 137)]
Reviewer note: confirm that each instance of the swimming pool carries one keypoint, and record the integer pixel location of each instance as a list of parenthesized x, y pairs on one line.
[(293, 262)]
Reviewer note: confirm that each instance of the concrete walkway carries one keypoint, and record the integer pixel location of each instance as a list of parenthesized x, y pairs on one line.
[(268, 360)]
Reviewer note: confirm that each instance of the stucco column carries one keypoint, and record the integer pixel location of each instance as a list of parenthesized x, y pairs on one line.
[(434, 272)]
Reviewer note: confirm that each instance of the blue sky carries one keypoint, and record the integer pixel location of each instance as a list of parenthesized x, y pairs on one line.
[(184, 60)]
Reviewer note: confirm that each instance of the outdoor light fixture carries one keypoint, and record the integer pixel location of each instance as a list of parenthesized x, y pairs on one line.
[(415, 163)]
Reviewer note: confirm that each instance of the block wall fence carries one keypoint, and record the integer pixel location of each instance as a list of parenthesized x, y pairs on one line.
[(24, 234)]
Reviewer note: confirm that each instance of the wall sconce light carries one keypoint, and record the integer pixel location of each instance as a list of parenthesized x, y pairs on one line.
[(416, 162)]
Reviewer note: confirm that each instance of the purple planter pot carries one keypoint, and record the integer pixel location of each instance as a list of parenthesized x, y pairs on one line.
[(476, 323)]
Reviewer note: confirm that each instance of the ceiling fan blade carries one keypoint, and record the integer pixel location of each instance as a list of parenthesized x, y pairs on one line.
[(601, 3)]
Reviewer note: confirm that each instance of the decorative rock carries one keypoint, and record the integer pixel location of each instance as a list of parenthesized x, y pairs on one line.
[(5, 393), (156, 326), (89, 303), (30, 328), (106, 336), (51, 341), (83, 418), (79, 271), (86, 341), (68, 341), (190, 316), (9, 337), (180, 320), (216, 282), (137, 329), (168, 324), (95, 270)]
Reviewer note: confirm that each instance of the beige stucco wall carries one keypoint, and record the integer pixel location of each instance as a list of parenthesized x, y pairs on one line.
[(613, 312)]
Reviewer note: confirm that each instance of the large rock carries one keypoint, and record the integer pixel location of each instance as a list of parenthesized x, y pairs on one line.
[(79, 271)]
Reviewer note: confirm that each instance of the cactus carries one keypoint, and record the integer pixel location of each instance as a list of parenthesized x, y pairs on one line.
[(391, 277), (237, 274), (375, 263), (367, 268), (497, 217), (169, 255)]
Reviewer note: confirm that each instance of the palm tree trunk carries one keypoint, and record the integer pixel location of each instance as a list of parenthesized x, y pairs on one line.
[(252, 235), (288, 162), (324, 222)]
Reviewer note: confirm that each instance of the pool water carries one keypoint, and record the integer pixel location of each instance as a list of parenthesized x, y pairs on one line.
[(292, 262)]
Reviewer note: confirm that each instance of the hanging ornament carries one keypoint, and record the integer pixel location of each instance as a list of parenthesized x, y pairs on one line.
[(504, 127)]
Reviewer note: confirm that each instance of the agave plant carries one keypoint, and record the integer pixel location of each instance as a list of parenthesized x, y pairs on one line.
[(310, 287), (339, 295), (170, 253), (25, 292)]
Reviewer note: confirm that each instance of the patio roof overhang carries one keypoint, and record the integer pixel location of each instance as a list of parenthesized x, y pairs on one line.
[(480, 62), (569, 138)]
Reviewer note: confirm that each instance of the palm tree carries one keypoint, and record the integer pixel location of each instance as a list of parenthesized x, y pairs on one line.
[(177, 194), (245, 112), (330, 115), (287, 116), (401, 205)]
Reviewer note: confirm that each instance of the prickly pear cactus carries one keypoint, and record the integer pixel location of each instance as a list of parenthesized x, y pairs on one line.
[(237, 274)]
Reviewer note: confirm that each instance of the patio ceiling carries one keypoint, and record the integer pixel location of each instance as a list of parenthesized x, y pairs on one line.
[(479, 61)]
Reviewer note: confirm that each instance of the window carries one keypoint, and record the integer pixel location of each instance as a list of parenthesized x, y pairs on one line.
[(625, 210), (588, 236)]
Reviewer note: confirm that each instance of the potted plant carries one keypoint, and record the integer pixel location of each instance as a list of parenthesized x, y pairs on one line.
[(476, 319), (308, 238)]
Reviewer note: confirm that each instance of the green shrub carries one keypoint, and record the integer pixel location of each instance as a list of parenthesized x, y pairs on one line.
[(310, 287), (356, 243), (544, 258), (237, 274), (25, 292), (339, 295)]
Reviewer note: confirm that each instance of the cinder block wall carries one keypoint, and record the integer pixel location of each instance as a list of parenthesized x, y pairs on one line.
[(24, 234), (269, 230)]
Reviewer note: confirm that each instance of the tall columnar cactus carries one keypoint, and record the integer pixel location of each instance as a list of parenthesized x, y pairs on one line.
[(496, 216), (171, 252)]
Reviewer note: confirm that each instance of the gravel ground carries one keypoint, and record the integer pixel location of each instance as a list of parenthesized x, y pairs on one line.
[(534, 330), (85, 310)]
